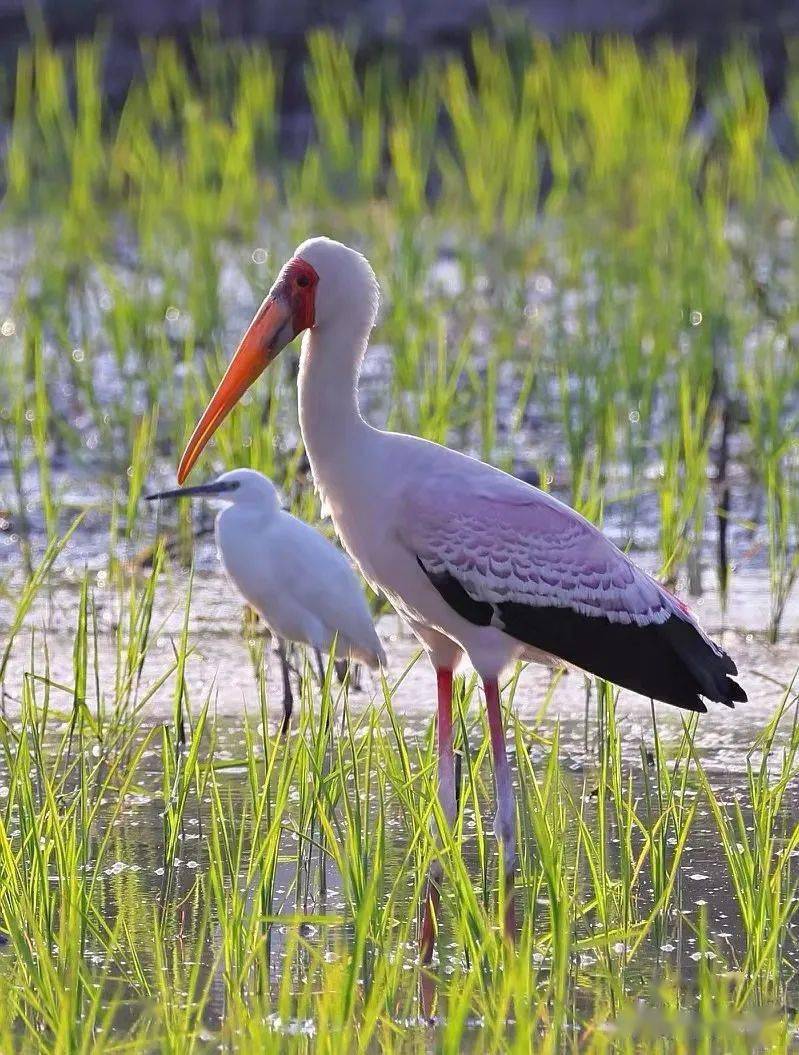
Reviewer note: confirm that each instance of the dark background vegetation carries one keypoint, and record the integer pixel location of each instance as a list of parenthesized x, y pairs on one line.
[(405, 27)]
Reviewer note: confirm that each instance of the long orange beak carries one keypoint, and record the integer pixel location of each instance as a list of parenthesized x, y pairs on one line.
[(268, 333)]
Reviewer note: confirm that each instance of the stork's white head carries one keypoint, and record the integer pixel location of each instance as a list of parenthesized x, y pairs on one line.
[(345, 286), (239, 487), (325, 283)]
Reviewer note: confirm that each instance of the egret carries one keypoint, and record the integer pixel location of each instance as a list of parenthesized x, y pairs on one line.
[(301, 585), (476, 561)]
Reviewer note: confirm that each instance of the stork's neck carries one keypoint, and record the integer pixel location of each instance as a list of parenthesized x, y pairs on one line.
[(330, 418)]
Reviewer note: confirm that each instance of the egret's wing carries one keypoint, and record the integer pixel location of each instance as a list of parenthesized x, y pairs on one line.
[(322, 579)]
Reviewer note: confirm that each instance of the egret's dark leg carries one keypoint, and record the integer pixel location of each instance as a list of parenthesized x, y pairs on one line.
[(288, 697), (505, 820), (320, 666), (446, 795)]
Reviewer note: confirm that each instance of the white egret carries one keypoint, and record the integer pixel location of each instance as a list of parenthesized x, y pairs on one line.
[(301, 585)]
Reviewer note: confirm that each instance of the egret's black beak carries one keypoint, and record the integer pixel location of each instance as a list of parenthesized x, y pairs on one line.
[(218, 487)]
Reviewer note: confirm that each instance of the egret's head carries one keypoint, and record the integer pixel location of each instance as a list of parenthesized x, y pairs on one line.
[(325, 283), (249, 488), (239, 487)]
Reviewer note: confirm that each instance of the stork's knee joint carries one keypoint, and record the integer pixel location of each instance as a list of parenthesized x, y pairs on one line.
[(446, 790), (505, 832)]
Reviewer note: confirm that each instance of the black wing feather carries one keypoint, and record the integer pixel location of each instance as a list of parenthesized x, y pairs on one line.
[(671, 661)]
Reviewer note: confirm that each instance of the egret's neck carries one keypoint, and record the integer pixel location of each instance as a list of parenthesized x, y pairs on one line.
[(330, 418)]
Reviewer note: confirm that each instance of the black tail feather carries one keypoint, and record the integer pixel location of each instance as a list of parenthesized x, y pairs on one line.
[(710, 666), (672, 662)]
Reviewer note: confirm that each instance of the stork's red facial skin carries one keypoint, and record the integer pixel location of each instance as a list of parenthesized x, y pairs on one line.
[(301, 280), (288, 310)]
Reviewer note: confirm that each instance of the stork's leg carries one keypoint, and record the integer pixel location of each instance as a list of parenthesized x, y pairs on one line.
[(505, 820), (446, 795), (288, 696)]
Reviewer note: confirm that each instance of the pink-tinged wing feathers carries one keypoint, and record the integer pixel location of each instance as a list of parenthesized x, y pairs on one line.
[(504, 541), (502, 553)]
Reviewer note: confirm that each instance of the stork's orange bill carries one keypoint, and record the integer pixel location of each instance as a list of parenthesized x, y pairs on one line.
[(268, 333), (287, 311)]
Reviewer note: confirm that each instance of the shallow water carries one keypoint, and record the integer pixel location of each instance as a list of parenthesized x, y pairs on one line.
[(221, 653)]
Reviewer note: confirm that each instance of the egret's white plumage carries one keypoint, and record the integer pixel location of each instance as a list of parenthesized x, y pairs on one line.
[(301, 585)]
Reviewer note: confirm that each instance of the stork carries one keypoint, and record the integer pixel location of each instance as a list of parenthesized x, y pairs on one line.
[(478, 563)]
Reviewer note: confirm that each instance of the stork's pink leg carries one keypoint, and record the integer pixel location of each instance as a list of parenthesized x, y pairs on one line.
[(505, 819), (446, 795)]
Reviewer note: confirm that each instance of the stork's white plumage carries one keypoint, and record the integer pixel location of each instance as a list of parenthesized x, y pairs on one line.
[(301, 585), (475, 560)]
